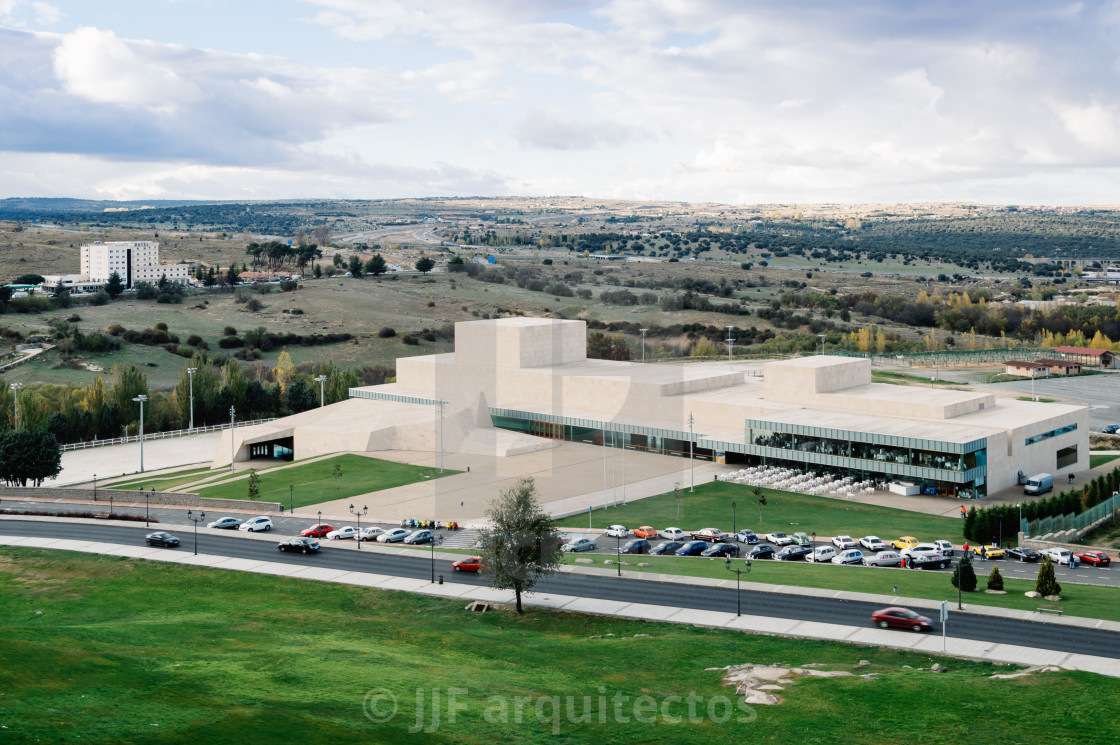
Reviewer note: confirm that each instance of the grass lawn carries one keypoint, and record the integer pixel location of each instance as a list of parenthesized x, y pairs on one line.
[(1100, 460), (123, 653), (710, 506), (164, 481), (880, 376), (315, 482)]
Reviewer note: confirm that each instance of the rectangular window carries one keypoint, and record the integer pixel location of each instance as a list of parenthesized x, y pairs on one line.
[(1051, 433), (1067, 456)]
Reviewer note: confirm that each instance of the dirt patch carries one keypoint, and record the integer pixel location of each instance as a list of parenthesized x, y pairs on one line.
[(759, 684)]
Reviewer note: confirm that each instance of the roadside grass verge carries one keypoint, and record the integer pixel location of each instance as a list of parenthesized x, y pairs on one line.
[(1100, 460)]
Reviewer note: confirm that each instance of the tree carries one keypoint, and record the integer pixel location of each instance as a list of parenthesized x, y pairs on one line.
[(995, 579), (299, 395), (233, 276), (456, 264), (128, 383), (27, 455), (760, 500), (1046, 585), (376, 265), (322, 234), (115, 285), (254, 485), (964, 576), (425, 265), (521, 545), (678, 495), (355, 267), (337, 475)]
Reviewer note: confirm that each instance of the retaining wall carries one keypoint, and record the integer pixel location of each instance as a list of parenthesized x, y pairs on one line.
[(158, 497)]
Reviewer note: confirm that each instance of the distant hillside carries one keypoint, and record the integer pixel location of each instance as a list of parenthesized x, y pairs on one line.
[(17, 208)]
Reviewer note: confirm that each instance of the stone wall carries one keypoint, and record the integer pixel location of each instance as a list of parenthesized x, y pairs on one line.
[(157, 498)]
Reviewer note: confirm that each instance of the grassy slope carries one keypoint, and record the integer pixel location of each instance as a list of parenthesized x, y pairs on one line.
[(314, 482), (710, 506), (1100, 460), (165, 481), (122, 654)]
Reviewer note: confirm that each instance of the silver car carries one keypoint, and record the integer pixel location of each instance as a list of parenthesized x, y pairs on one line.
[(889, 558), (394, 536)]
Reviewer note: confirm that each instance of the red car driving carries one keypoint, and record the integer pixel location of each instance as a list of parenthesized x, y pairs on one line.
[(468, 564), (901, 618), (1096, 558), (316, 531)]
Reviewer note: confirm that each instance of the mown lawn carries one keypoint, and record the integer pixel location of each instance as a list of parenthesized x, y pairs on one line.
[(164, 481), (710, 506), (127, 651), (1100, 460), (315, 482)]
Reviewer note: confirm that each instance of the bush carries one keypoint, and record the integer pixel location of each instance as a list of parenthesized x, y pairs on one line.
[(146, 291), (230, 342), (995, 579), (547, 262), (254, 305), (295, 311), (410, 340), (964, 576), (74, 318), (387, 333), (30, 304), (1046, 584), (194, 340), (98, 298), (115, 330), (229, 331)]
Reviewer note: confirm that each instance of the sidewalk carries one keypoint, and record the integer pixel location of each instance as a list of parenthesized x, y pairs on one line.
[(994, 652)]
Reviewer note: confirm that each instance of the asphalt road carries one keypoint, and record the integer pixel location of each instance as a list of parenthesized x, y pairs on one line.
[(1101, 393), (794, 607)]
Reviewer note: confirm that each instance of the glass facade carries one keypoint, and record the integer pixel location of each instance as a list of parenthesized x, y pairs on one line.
[(1052, 433), (591, 432)]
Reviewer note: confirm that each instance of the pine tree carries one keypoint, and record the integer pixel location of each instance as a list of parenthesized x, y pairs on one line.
[(115, 285), (964, 576), (970, 524), (254, 485), (995, 579), (1046, 585)]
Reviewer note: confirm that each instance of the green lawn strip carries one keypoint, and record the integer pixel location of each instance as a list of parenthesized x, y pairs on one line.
[(1100, 460), (904, 379), (162, 482), (121, 653), (315, 482), (1090, 601), (710, 506)]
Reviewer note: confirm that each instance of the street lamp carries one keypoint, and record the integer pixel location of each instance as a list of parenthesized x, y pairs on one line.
[(146, 496), (691, 462), (232, 450), (813, 544), (15, 404), (435, 538), (738, 573), (322, 395), (730, 346), (196, 521), (618, 554), (291, 500), (190, 376), (359, 513), (141, 398), (643, 343), (319, 521), (733, 531), (95, 487)]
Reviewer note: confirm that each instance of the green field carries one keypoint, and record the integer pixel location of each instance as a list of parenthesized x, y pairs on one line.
[(1100, 460), (125, 652), (710, 506), (315, 482)]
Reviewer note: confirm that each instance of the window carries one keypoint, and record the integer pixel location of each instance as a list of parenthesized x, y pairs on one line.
[(1051, 433)]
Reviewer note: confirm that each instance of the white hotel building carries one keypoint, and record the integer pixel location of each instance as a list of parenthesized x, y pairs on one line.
[(134, 261)]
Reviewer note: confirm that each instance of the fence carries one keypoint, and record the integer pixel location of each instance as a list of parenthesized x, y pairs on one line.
[(945, 358), (1060, 523), (159, 435)]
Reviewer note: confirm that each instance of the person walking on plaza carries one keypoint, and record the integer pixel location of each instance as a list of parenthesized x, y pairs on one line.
[(983, 553), (1071, 477)]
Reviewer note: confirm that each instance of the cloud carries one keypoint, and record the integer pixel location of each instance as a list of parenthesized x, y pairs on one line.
[(21, 13), (554, 130)]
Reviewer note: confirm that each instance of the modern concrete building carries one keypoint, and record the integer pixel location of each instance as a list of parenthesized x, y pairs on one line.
[(134, 261), (522, 384)]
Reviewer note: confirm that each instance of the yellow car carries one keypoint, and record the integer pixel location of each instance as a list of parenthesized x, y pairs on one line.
[(992, 551), (906, 541)]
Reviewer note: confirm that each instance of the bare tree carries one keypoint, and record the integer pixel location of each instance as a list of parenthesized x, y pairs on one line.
[(323, 234), (301, 237)]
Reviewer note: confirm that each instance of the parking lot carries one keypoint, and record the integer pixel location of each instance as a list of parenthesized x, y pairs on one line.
[(1100, 393)]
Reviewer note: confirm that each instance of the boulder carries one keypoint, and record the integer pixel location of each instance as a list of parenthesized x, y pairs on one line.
[(996, 592), (761, 698), (643, 563), (863, 663), (939, 668), (1033, 594), (582, 560), (1053, 598), (641, 636)]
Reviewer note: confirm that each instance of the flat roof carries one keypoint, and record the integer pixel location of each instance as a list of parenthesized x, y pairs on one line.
[(921, 429)]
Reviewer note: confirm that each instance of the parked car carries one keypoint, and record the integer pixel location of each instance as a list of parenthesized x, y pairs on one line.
[(721, 549), (256, 524), (872, 543), (746, 536), (778, 539), (370, 533), (947, 549), (793, 553), (1096, 558), (692, 548), (343, 534), (889, 558), (822, 554), (1040, 483), (1110, 429), (646, 532), (468, 564), (665, 547), (992, 551), (579, 544), (161, 538), (417, 537), (709, 535), (635, 546), (225, 523), (761, 552), (920, 548), (801, 539), (1024, 554), (901, 618), (848, 556), (396, 535), (1059, 555), (926, 560), (843, 542), (905, 541), (673, 534), (302, 545), (618, 531), (316, 531)]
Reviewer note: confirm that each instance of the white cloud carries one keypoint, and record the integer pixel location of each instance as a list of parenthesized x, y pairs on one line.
[(555, 130), (20, 13)]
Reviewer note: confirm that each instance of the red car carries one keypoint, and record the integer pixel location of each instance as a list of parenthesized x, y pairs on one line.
[(711, 535), (469, 564), (646, 532), (901, 618), (316, 531), (1096, 558)]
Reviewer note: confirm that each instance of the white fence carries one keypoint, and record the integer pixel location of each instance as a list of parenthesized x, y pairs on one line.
[(159, 435)]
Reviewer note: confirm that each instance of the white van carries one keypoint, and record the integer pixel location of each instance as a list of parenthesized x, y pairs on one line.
[(1040, 483), (823, 554)]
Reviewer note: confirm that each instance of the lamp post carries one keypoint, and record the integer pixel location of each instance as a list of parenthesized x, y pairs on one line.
[(618, 554), (190, 376), (813, 544), (15, 403), (993, 377), (733, 531), (95, 487), (322, 379), (196, 521), (146, 497), (691, 462), (730, 347), (359, 513), (435, 539), (232, 449), (319, 519), (643, 343), (291, 499), (738, 573), (141, 398)]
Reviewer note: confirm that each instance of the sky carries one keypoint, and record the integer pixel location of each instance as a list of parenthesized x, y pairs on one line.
[(730, 101)]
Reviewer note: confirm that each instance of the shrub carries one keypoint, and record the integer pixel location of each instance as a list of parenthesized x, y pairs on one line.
[(410, 340), (230, 342), (73, 318), (30, 304), (161, 326), (254, 305), (194, 340), (229, 331), (1046, 584), (295, 311), (115, 330), (964, 576), (289, 286), (547, 262), (146, 291), (995, 579), (387, 332), (98, 298)]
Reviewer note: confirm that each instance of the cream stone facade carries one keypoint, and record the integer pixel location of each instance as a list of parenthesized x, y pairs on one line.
[(134, 261), (517, 385)]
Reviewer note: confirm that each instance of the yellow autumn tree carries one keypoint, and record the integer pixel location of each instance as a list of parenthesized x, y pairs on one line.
[(880, 341), (285, 370), (863, 342)]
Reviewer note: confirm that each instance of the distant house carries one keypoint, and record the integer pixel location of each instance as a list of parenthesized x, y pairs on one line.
[(1087, 356), (1028, 369), (1061, 367)]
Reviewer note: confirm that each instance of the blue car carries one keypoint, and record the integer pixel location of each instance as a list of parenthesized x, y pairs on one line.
[(666, 547), (692, 548), (636, 546), (721, 549)]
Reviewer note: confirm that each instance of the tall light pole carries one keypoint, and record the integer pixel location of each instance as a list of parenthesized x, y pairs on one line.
[(291, 499), (15, 403), (691, 461), (643, 343), (733, 531), (730, 346), (738, 573), (359, 513), (141, 398), (232, 448), (190, 376), (196, 521), (435, 539), (322, 379)]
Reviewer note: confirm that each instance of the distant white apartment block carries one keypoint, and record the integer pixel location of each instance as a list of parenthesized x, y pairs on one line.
[(134, 261)]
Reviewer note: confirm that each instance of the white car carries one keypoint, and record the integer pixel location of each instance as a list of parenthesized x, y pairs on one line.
[(778, 539), (394, 536), (872, 543), (370, 534), (946, 548), (888, 558), (672, 534), (1059, 555), (822, 554), (843, 542), (848, 556), (924, 550), (341, 534), (618, 531), (256, 524), (580, 544)]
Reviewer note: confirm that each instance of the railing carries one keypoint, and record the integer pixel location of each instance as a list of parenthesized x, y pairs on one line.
[(1060, 523), (159, 435)]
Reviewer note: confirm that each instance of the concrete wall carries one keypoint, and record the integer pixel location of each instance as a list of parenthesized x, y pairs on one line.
[(102, 496)]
